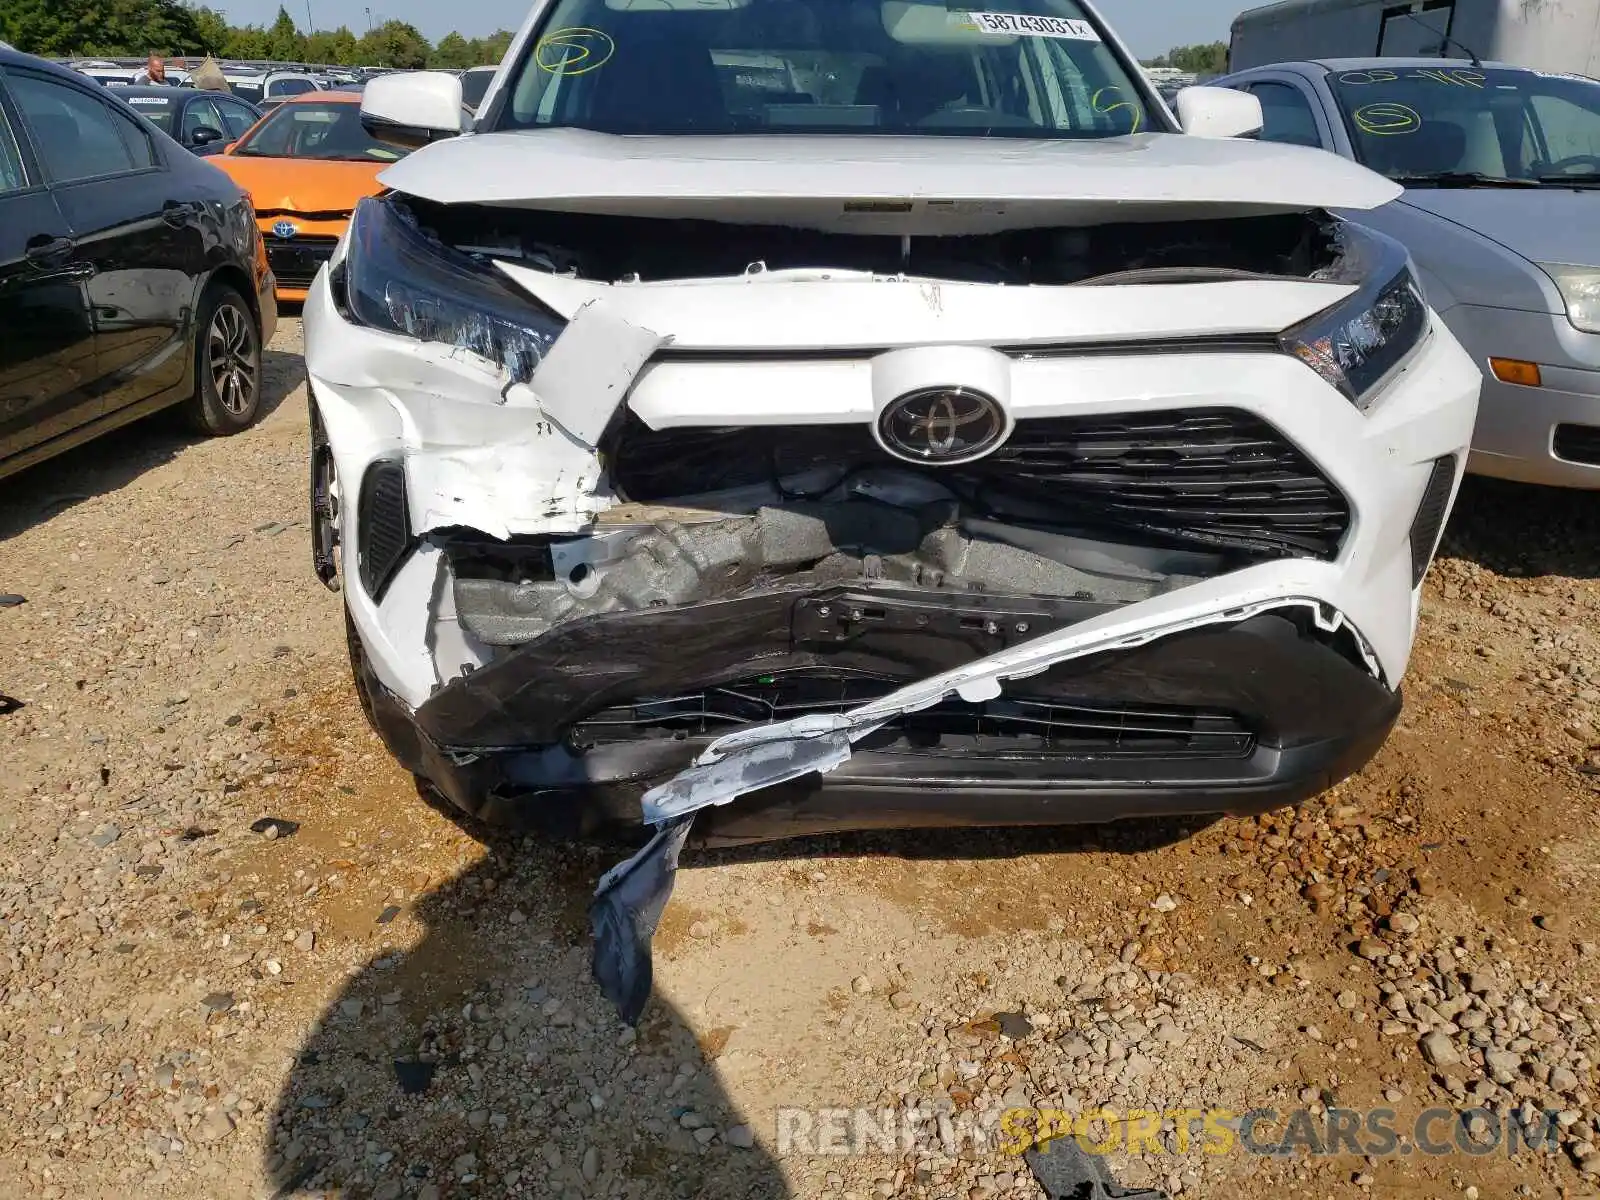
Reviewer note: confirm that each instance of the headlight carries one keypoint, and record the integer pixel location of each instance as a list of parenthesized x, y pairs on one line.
[(399, 279), (1358, 343), (1580, 291)]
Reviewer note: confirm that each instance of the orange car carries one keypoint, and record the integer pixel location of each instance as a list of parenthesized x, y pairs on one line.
[(305, 165)]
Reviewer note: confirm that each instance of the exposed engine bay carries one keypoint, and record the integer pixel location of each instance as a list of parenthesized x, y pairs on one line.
[(1114, 511), (606, 248)]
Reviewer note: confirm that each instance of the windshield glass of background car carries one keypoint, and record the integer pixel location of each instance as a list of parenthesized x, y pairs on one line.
[(318, 131), (246, 91), (1028, 68), (1500, 123), (290, 87), (474, 86), (155, 109)]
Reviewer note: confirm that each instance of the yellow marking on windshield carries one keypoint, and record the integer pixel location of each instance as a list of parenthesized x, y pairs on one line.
[(1116, 105), (1387, 120), (575, 50)]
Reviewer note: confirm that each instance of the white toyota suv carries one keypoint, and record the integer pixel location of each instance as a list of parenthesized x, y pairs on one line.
[(798, 415)]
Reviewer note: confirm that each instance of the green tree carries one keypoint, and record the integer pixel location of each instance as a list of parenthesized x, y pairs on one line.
[(1208, 59), (212, 28), (453, 53), (487, 52), (395, 44), (336, 46), (248, 42), (61, 28), (284, 41)]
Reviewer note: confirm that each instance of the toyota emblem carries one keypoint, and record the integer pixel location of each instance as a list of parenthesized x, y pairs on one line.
[(284, 230), (942, 426)]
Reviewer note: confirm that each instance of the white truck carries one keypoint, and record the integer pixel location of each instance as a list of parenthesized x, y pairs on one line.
[(1560, 37)]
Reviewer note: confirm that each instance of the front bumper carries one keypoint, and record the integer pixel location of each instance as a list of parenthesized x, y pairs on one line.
[(295, 260), (1237, 718), (1545, 435), (1314, 695)]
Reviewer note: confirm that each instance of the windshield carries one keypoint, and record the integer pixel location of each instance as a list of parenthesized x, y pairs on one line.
[(1414, 122), (330, 132), (474, 85), (1037, 69), (246, 89), (290, 87), (155, 109)]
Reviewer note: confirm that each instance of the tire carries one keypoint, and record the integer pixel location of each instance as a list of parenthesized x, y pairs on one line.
[(358, 665), (227, 364)]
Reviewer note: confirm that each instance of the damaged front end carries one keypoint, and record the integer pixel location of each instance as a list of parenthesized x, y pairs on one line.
[(849, 536)]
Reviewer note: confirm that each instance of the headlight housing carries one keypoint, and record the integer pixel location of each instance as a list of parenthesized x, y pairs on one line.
[(400, 279), (1580, 292), (1359, 343)]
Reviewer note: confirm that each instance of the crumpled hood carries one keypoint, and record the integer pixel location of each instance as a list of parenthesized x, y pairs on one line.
[(301, 185), (1542, 225), (878, 183)]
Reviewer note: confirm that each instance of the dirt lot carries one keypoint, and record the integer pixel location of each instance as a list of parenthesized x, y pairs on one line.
[(377, 1002)]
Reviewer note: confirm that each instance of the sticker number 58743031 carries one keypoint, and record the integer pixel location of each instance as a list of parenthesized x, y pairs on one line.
[(1031, 26)]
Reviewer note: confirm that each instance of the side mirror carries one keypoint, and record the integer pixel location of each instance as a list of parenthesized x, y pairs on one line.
[(412, 109), (205, 135), (1215, 112)]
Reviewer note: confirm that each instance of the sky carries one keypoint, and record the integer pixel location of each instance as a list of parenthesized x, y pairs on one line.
[(1150, 26)]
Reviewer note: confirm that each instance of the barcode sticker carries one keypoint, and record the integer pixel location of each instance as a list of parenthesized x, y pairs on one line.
[(1030, 26)]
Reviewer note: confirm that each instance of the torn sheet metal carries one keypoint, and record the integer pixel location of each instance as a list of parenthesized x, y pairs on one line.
[(588, 370), (744, 761), (627, 907), (548, 474)]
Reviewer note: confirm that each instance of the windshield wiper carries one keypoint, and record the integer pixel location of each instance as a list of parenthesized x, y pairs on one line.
[(1572, 181), (1462, 179)]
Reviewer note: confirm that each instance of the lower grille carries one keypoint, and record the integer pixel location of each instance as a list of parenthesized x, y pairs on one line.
[(1430, 516), (1022, 727), (1221, 479), (1578, 443), (295, 263)]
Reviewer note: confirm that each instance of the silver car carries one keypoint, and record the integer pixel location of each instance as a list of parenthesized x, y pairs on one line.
[(1501, 213)]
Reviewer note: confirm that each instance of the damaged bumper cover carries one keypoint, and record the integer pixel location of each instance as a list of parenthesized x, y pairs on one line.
[(1224, 696)]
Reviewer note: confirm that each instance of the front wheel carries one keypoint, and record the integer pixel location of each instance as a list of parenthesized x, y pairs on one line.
[(227, 392)]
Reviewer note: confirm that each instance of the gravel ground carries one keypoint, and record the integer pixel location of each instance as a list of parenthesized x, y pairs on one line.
[(362, 997)]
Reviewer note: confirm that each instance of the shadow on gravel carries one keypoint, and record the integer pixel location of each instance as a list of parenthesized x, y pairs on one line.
[(1523, 530), (1122, 837), (113, 461), (484, 1062)]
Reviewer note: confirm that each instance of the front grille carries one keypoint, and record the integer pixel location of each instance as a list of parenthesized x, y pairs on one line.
[(383, 524), (1578, 443), (1430, 515), (1222, 479), (295, 262), (1022, 727)]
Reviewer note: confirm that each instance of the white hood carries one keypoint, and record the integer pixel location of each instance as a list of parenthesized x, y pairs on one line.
[(884, 184)]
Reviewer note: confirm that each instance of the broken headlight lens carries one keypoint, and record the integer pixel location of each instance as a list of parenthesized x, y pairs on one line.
[(400, 279), (1358, 343)]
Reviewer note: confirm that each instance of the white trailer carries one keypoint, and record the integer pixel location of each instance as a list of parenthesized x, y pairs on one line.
[(1548, 35)]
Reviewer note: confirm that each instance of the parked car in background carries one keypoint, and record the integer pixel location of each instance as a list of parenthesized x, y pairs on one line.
[(202, 122), (475, 83), (1501, 213), (109, 74), (279, 86), (132, 275), (305, 165)]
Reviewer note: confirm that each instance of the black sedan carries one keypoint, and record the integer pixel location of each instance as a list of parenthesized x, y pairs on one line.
[(202, 122), (132, 275)]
